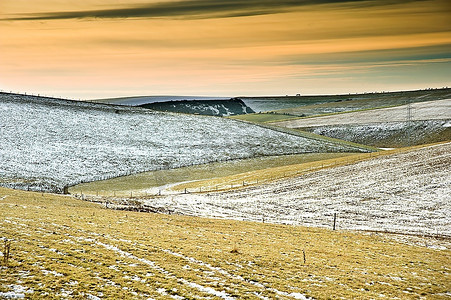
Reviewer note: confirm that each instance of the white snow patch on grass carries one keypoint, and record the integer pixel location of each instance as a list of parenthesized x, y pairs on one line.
[(54, 273), (17, 291), (92, 297)]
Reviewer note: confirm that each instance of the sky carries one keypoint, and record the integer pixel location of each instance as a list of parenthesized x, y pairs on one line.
[(114, 48)]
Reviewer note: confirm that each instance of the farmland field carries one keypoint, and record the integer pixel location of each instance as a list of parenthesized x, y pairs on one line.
[(49, 143), (62, 247), (264, 117), (275, 109)]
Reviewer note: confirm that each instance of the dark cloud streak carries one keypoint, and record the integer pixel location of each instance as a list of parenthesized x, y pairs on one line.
[(199, 9)]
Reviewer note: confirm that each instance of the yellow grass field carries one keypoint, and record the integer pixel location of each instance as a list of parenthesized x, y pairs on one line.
[(62, 247)]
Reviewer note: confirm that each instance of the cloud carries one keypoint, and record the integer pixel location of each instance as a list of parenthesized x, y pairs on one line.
[(200, 9)]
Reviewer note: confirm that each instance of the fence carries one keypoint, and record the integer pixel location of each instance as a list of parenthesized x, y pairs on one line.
[(38, 95)]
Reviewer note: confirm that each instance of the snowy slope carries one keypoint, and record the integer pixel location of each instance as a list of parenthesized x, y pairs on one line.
[(47, 144), (407, 192), (390, 135)]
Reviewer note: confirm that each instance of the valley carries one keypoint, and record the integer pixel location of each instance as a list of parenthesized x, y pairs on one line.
[(173, 205)]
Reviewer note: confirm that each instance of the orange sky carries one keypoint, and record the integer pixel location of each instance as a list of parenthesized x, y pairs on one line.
[(97, 49)]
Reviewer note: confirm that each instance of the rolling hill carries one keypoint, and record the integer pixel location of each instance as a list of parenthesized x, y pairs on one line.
[(48, 144)]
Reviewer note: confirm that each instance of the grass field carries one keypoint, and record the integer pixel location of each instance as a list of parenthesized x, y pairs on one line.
[(63, 247), (324, 139), (151, 182), (264, 117), (252, 177), (404, 191), (66, 248)]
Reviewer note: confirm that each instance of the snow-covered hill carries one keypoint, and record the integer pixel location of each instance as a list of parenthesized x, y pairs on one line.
[(47, 144)]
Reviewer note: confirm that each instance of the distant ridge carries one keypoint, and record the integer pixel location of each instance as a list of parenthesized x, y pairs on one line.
[(140, 100), (221, 108)]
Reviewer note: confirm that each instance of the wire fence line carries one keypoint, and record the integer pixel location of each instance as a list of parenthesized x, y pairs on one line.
[(18, 93), (333, 220)]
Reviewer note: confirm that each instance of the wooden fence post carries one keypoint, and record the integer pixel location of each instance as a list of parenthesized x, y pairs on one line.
[(6, 253), (335, 219)]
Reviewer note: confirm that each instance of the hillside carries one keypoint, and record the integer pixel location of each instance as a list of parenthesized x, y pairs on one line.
[(260, 229), (220, 108), (48, 144)]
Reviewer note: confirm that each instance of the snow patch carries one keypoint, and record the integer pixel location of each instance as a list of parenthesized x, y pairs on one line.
[(92, 297), (12, 295), (16, 292)]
